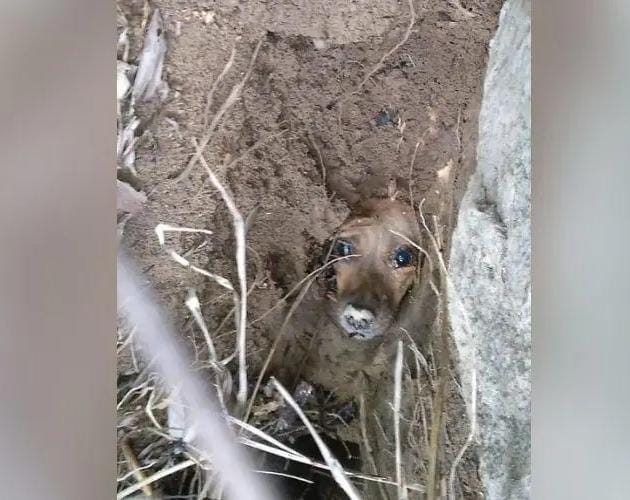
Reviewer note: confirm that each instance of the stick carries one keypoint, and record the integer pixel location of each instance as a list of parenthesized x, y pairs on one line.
[(402, 492), (366, 442), (215, 85), (239, 235), (469, 438), (193, 305), (298, 285), (335, 467), (305, 460), (192, 302), (274, 346), (135, 467), (162, 229), (297, 478), (151, 479), (262, 434)]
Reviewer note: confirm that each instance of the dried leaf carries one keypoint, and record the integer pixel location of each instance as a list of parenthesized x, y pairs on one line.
[(266, 409), (122, 79), (125, 144), (149, 77)]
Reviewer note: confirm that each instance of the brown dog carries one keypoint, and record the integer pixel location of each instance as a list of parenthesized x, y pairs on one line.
[(368, 288), (365, 291)]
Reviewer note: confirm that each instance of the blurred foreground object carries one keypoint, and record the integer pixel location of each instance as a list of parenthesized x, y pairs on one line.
[(159, 343)]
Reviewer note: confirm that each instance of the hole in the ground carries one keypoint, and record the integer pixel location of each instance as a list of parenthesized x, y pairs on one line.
[(316, 484), (323, 486)]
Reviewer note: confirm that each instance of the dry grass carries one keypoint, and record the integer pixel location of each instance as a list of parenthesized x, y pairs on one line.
[(305, 284), (149, 385), (398, 368), (199, 445), (337, 470), (259, 440), (366, 443), (159, 344), (427, 429), (144, 483)]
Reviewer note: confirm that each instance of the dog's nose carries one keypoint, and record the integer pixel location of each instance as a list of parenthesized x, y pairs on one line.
[(357, 320)]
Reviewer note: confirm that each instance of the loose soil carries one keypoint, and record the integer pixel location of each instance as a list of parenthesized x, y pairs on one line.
[(312, 142)]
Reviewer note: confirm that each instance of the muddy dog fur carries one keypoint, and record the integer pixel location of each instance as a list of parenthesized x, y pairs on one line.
[(332, 355)]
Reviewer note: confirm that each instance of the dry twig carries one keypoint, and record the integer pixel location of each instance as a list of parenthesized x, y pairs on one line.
[(193, 305), (308, 277), (162, 229), (366, 442), (379, 64), (155, 477), (239, 235), (402, 492), (336, 469), (318, 465), (215, 85), (275, 344), (229, 102), (135, 467), (192, 302)]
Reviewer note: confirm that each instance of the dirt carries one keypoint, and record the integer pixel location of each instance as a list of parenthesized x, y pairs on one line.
[(311, 139)]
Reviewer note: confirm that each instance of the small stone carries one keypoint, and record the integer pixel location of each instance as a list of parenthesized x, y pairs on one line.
[(386, 116), (208, 17)]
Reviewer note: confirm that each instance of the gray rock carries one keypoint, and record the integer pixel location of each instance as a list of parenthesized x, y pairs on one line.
[(490, 298)]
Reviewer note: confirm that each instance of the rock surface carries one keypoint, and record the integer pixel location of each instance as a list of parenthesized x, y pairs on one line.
[(490, 297)]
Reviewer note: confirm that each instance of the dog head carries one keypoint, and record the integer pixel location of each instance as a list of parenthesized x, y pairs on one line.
[(374, 269)]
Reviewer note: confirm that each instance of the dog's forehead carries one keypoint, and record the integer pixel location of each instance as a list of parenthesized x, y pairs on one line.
[(381, 216)]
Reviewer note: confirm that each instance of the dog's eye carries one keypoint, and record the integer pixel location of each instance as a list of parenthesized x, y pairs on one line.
[(403, 257), (343, 248)]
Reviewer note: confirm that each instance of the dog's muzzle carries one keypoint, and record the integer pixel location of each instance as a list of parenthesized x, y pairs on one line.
[(358, 322)]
